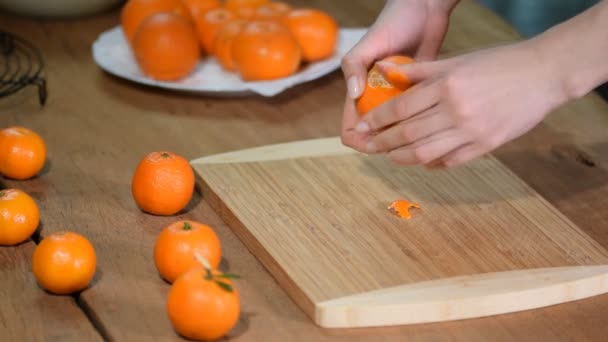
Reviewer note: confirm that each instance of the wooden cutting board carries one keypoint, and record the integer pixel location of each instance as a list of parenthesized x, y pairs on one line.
[(483, 243)]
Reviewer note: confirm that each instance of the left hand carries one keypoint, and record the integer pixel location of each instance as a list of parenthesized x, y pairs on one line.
[(463, 107)]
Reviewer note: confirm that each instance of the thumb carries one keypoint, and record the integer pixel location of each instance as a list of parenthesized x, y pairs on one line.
[(401, 75), (354, 67)]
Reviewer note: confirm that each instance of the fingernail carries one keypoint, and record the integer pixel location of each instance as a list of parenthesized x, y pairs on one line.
[(362, 127), (371, 147), (354, 89)]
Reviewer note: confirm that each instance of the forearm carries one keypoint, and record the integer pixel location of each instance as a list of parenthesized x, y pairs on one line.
[(578, 50)]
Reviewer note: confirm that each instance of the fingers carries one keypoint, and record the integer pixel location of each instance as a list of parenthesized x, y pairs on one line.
[(414, 72), (436, 29), (412, 102), (349, 136), (463, 154), (355, 65), (429, 149), (410, 131)]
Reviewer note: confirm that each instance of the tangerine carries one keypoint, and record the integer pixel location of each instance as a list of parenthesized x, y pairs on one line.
[(19, 217), (199, 7), (22, 153), (176, 245), (272, 10), (315, 31), (378, 89), (166, 47), (64, 263), (265, 50), (244, 9), (222, 46), (203, 304), (134, 12), (163, 183), (209, 23)]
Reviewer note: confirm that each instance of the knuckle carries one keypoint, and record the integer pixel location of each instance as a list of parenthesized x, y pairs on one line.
[(349, 62), (395, 158), (400, 108), (346, 141), (488, 141), (420, 156), (407, 134), (492, 141)]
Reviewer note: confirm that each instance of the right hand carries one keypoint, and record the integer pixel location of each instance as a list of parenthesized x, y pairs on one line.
[(414, 27)]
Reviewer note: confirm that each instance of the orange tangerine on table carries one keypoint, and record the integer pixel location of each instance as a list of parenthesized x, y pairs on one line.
[(64, 263), (209, 23), (199, 7), (176, 245), (265, 50), (134, 12), (378, 89), (163, 183), (222, 45), (166, 47), (315, 31), (272, 10), (19, 217), (22, 153), (203, 304)]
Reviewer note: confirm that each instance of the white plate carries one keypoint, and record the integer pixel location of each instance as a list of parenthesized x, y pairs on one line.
[(112, 54)]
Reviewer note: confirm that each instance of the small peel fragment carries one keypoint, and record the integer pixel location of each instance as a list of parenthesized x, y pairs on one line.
[(402, 208)]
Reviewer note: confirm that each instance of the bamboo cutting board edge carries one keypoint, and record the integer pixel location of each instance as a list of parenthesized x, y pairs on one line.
[(555, 285)]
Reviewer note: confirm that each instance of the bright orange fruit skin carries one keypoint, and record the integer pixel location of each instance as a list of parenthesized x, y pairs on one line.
[(199, 7), (22, 153), (134, 12), (272, 10), (64, 263), (379, 90), (176, 245), (19, 217), (244, 9), (166, 47), (199, 309), (222, 46), (315, 31), (208, 25), (265, 50), (163, 183)]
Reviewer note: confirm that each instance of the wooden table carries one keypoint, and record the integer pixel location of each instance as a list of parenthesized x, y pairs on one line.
[(98, 127)]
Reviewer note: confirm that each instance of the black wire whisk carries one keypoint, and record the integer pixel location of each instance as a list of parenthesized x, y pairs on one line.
[(21, 65)]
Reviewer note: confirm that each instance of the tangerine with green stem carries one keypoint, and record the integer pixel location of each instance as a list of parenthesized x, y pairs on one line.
[(176, 245), (203, 304)]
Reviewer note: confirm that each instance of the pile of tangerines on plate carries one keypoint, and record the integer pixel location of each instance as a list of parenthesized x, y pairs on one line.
[(203, 302), (258, 39)]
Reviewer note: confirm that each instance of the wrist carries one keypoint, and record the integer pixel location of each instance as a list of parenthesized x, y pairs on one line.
[(576, 51)]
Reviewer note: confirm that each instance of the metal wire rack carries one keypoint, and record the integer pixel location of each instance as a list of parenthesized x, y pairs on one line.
[(21, 65)]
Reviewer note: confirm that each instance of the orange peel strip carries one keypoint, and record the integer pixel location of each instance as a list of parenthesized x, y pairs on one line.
[(402, 208)]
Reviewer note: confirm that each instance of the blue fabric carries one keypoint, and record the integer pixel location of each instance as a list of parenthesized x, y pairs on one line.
[(531, 17)]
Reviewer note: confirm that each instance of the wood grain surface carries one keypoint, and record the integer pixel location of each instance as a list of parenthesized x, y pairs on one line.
[(27, 313), (320, 224), (98, 127)]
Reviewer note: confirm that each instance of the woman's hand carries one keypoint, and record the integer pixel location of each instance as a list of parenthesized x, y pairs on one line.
[(414, 27), (465, 106)]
